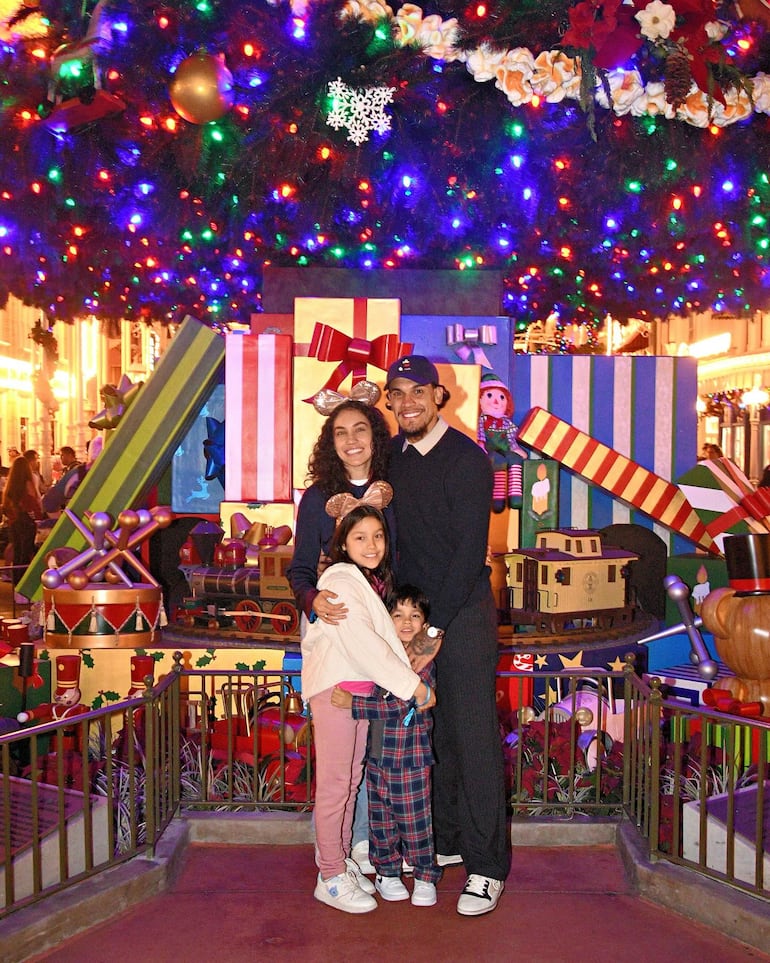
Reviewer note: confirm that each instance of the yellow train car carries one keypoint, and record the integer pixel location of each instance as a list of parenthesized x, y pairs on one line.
[(569, 579)]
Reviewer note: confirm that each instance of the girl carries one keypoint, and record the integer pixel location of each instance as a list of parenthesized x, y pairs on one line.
[(356, 653)]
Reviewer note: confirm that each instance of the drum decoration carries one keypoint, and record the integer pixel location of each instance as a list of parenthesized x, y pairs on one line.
[(102, 616), (90, 600)]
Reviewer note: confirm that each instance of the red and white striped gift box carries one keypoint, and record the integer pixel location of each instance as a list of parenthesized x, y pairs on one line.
[(258, 417)]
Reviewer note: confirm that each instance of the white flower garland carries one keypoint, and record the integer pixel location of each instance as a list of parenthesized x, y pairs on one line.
[(554, 76)]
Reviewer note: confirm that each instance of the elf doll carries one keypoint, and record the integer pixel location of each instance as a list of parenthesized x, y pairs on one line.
[(497, 436)]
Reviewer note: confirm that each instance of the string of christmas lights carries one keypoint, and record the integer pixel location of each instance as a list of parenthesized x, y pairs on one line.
[(113, 204)]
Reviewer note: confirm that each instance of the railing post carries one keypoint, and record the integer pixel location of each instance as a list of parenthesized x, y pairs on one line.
[(628, 674), (653, 763), (150, 771)]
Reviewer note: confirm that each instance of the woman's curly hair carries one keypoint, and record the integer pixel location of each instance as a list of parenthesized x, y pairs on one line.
[(325, 468)]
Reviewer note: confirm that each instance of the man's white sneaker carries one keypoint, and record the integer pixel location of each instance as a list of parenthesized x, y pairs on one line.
[(391, 889), (365, 884), (480, 895), (360, 854), (453, 860), (343, 893), (424, 893)]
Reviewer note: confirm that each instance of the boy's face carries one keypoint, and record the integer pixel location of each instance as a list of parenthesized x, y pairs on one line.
[(408, 620)]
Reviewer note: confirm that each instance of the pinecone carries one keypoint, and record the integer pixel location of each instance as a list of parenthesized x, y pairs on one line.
[(678, 77)]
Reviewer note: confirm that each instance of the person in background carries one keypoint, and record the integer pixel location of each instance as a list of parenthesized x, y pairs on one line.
[(442, 482), (764, 481), (21, 507), (34, 463), (356, 653), (398, 764), (60, 493)]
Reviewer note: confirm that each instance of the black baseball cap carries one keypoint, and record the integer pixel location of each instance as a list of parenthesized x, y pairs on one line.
[(416, 368)]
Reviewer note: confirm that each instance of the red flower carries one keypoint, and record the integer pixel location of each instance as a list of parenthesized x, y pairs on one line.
[(608, 28)]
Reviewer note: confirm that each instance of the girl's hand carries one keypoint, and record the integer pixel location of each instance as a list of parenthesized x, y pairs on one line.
[(328, 611), (341, 698)]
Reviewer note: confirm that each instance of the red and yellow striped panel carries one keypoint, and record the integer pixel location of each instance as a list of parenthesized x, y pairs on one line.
[(607, 468)]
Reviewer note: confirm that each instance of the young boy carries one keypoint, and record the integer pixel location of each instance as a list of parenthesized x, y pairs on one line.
[(398, 771)]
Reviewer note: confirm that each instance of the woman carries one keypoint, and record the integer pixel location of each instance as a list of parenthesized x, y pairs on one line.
[(351, 452), (21, 506)]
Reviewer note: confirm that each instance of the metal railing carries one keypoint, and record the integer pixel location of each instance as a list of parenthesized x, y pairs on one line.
[(81, 795), (698, 787)]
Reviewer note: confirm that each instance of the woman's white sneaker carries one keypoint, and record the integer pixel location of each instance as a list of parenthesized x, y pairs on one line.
[(480, 895), (343, 893), (365, 884), (424, 893), (391, 889), (360, 855)]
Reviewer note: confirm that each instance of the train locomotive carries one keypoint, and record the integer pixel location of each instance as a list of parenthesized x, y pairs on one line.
[(570, 579), (245, 599)]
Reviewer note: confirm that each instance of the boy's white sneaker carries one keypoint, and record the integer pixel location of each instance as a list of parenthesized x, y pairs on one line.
[(424, 893), (480, 895), (365, 884), (391, 889), (360, 855), (343, 893)]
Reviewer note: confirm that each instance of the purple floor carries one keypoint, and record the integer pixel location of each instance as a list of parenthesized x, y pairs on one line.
[(236, 904)]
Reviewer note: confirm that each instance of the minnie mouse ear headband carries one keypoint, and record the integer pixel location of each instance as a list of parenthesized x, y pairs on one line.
[(378, 495), (327, 400)]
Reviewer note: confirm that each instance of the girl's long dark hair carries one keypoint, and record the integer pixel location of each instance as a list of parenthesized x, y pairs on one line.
[(383, 574), (325, 467)]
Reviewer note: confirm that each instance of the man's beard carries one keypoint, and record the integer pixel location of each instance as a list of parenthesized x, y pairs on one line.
[(415, 434)]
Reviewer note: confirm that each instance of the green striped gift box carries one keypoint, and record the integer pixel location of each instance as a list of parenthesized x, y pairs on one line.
[(145, 439)]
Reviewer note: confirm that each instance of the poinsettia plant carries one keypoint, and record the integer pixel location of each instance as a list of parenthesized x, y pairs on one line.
[(555, 773)]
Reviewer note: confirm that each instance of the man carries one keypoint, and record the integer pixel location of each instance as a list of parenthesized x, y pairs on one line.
[(443, 495), (59, 494)]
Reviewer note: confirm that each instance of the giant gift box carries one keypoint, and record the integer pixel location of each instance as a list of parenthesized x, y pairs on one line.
[(258, 417), (642, 407), (339, 342), (485, 341), (191, 489)]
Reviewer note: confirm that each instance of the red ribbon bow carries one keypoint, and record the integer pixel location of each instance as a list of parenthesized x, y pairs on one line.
[(353, 354)]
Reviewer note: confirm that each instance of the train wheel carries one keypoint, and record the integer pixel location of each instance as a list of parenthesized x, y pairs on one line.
[(247, 622), (289, 626)]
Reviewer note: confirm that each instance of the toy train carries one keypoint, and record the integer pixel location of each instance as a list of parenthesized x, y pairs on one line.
[(249, 599), (569, 580)]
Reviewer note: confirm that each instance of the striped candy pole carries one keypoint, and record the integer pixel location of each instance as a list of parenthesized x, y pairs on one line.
[(143, 442), (621, 477)]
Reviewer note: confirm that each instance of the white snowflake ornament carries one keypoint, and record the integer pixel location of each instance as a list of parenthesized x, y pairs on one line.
[(359, 109)]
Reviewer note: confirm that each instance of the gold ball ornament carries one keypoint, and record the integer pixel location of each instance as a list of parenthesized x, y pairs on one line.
[(77, 580), (201, 90)]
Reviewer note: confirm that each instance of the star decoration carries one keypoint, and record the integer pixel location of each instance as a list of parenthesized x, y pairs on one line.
[(574, 663), (617, 664), (360, 109), (214, 450), (117, 400)]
